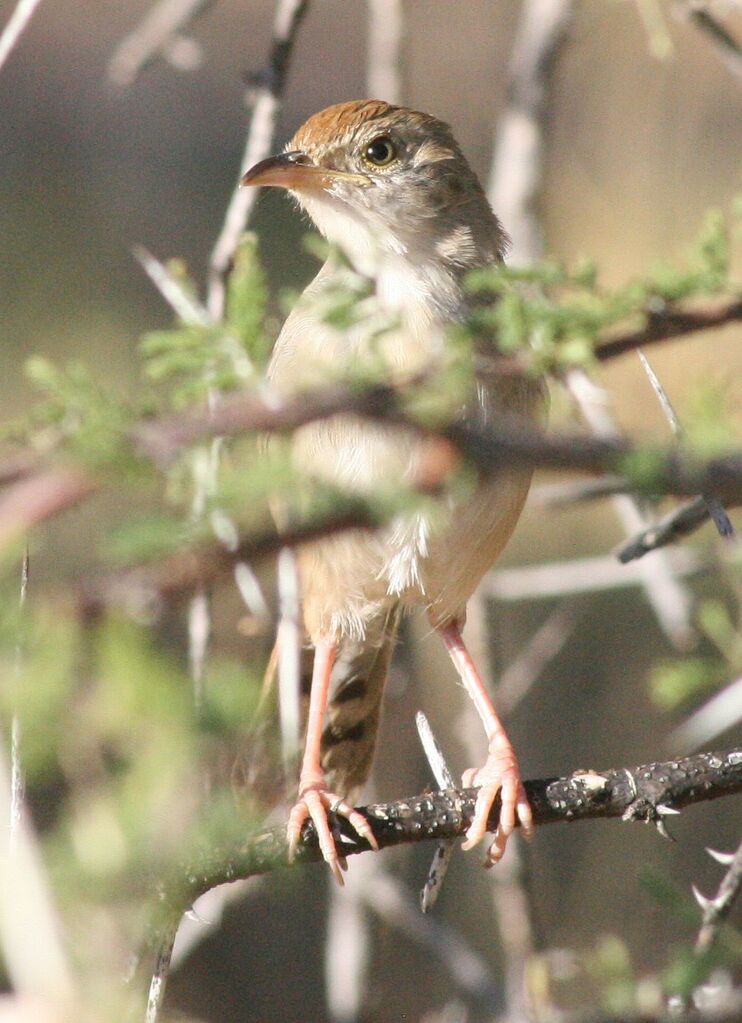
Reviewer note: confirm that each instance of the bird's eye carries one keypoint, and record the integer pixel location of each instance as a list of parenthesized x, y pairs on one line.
[(380, 152)]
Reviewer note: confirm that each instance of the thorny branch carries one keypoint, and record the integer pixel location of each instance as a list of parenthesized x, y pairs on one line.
[(646, 793), (716, 910)]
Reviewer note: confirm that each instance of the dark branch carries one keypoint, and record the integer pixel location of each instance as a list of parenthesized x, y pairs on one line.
[(644, 793), (670, 324), (678, 523)]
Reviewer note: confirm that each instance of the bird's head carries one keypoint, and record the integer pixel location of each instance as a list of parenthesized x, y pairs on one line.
[(376, 177)]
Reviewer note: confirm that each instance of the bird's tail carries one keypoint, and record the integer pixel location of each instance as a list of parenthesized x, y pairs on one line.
[(354, 710)]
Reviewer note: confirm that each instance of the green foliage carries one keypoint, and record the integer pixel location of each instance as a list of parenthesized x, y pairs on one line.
[(198, 357), (556, 316)]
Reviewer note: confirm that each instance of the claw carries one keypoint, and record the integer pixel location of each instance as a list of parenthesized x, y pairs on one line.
[(316, 802), (499, 776)]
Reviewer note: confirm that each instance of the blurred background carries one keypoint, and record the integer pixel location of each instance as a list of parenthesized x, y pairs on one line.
[(642, 135)]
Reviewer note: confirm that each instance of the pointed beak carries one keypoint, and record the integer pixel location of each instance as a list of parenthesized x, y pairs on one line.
[(297, 171)]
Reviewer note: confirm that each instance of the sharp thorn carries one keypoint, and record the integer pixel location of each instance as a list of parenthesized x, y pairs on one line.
[(666, 811), (702, 901), (726, 859), (662, 830)]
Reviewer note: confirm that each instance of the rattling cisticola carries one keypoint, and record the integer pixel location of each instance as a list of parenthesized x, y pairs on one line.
[(392, 190)]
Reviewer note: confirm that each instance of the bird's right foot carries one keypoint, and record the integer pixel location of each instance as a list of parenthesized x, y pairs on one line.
[(315, 802)]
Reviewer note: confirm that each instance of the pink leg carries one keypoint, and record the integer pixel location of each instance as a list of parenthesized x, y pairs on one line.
[(314, 798), (500, 772)]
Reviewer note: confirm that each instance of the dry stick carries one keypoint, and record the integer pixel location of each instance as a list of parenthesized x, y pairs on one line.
[(714, 506), (17, 778), (645, 793), (445, 780), (385, 33), (722, 712), (672, 602), (15, 26), (160, 973), (716, 910), (30, 931), (266, 105), (157, 35), (721, 40)]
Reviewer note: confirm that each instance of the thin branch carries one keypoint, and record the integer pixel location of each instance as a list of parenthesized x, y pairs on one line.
[(385, 32), (721, 40), (15, 26), (678, 523), (716, 910), (719, 714), (517, 164), (668, 324), (444, 780), (17, 776), (644, 793), (671, 601), (157, 35), (160, 975), (544, 645), (266, 104), (30, 930), (715, 508)]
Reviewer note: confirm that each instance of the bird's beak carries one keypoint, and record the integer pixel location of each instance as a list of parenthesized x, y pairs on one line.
[(296, 171)]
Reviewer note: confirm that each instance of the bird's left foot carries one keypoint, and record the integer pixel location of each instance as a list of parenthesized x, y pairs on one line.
[(500, 774)]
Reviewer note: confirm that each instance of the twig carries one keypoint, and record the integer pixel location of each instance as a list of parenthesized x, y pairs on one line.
[(444, 780), (716, 910), (266, 105), (185, 305), (715, 508), (385, 29), (15, 26), (543, 646), (670, 600), (517, 165), (722, 712), (160, 974), (678, 523), (30, 931), (578, 575), (643, 793), (669, 324), (556, 495), (721, 40), (155, 36), (289, 639), (17, 778)]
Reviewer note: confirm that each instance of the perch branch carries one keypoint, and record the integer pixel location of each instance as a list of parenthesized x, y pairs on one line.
[(644, 793)]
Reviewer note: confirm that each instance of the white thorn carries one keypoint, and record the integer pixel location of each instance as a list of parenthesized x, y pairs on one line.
[(721, 857), (666, 811), (702, 901)]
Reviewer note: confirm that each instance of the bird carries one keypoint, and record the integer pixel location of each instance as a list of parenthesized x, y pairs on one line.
[(391, 190)]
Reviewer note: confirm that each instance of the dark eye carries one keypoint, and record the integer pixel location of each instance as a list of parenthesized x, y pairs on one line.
[(380, 152)]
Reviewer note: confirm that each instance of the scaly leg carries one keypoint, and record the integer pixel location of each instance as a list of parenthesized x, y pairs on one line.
[(500, 772), (314, 798)]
